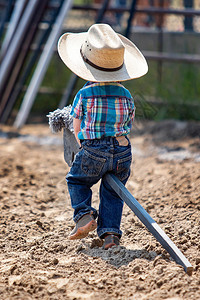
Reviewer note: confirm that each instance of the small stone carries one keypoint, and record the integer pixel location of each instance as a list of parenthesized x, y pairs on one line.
[(150, 206), (181, 231), (61, 247), (142, 278), (183, 241), (197, 260), (52, 290), (55, 261), (160, 270), (39, 223), (4, 190), (136, 269), (19, 168), (167, 227), (159, 283), (79, 248)]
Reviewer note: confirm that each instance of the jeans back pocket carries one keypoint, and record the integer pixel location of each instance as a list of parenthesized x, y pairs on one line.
[(123, 167), (91, 164)]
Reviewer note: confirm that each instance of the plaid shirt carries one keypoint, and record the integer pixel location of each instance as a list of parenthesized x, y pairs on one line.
[(106, 109)]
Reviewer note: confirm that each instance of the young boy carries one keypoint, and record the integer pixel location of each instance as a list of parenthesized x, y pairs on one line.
[(103, 111)]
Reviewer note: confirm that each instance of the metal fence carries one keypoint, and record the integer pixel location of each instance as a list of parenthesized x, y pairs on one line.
[(171, 15)]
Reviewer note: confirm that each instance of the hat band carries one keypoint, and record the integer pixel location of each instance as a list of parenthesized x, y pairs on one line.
[(98, 67)]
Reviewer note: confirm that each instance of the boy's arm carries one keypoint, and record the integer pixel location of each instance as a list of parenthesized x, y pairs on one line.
[(77, 128)]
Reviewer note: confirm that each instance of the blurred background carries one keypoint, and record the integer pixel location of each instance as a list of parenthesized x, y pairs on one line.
[(34, 81)]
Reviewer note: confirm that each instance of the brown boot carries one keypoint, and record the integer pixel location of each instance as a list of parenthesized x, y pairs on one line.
[(83, 227), (110, 241)]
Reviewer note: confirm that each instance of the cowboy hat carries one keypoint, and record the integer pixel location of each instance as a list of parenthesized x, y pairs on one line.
[(101, 55)]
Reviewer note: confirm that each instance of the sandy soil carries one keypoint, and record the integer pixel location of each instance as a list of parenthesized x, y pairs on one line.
[(37, 261)]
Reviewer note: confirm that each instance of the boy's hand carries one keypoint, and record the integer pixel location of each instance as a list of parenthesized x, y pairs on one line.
[(77, 128)]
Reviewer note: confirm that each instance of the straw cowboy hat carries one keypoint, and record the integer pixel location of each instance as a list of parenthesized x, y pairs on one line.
[(101, 55)]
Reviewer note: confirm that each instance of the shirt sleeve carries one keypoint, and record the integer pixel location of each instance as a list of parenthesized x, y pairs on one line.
[(131, 109), (77, 107), (132, 113)]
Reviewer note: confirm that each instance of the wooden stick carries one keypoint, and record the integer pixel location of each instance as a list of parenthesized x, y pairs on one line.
[(147, 220)]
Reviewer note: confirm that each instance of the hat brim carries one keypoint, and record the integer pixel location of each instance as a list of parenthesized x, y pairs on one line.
[(69, 46)]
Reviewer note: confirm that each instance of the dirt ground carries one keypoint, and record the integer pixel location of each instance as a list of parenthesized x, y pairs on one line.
[(37, 260)]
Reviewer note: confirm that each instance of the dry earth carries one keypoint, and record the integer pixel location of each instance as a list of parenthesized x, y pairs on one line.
[(37, 261)]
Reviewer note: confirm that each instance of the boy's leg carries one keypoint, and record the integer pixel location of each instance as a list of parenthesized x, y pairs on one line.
[(84, 172), (79, 186), (84, 214), (110, 211), (111, 205), (81, 196)]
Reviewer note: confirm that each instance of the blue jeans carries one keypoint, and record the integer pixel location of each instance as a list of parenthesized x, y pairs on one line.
[(97, 158)]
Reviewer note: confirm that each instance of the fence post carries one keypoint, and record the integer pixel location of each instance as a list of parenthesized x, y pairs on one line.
[(188, 20)]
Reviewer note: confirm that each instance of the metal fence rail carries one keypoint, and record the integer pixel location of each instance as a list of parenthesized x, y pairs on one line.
[(150, 11)]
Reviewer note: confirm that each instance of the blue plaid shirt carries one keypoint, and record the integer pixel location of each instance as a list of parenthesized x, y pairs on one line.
[(106, 109)]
